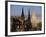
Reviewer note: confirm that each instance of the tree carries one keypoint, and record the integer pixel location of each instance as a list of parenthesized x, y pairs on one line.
[(39, 25)]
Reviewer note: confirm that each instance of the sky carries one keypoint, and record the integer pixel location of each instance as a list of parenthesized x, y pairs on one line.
[(16, 10)]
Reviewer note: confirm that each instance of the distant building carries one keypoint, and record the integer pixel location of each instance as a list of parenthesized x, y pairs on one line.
[(21, 19), (34, 19), (29, 25)]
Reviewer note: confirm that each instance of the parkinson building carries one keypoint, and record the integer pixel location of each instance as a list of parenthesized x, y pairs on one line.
[(36, 22), (34, 19)]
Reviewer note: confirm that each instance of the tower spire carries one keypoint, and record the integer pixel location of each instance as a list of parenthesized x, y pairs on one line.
[(29, 14), (22, 13)]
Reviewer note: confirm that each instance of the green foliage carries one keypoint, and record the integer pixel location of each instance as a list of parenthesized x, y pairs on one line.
[(39, 25)]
